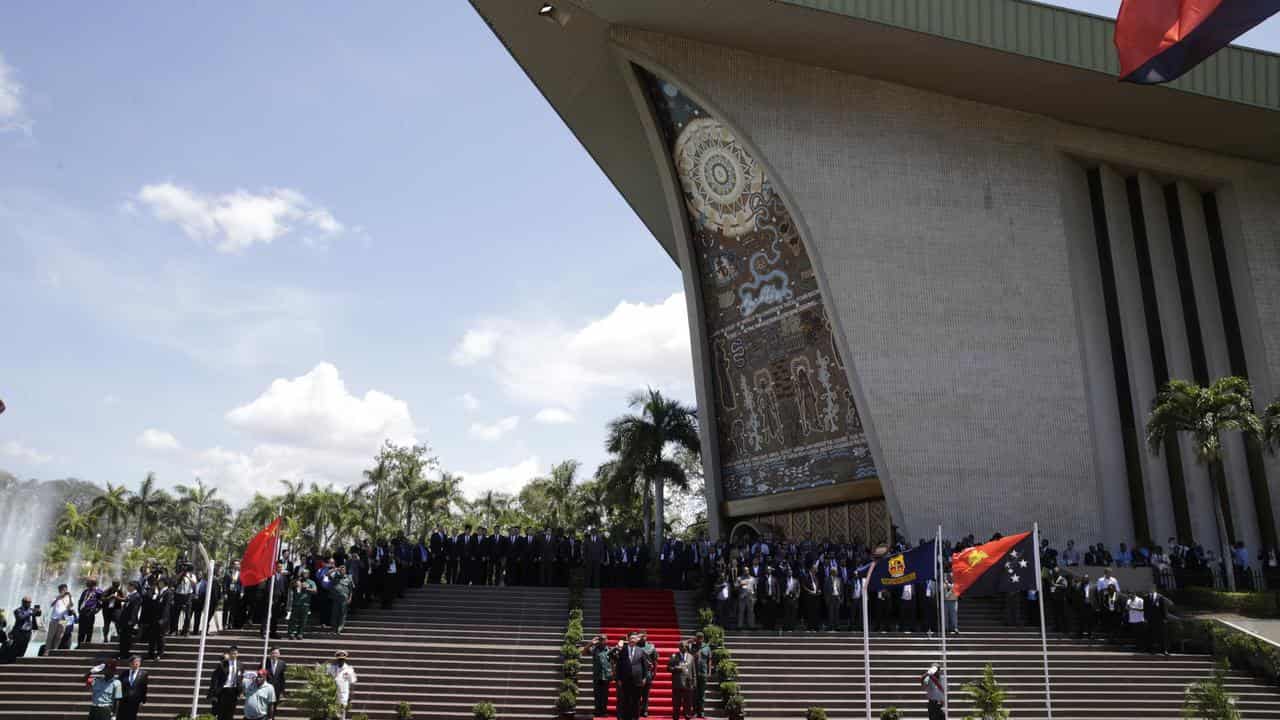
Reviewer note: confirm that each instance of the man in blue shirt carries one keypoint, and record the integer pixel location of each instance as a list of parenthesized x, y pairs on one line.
[(106, 689)]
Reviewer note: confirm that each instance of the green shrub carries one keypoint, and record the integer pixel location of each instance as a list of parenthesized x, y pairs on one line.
[(1243, 651), (575, 614), (719, 655), (728, 670), (404, 711), (815, 713), (187, 716), (567, 701), (1256, 604), (1209, 699), (735, 706), (891, 713), (571, 667), (313, 692), (569, 650), (356, 716), (729, 687), (706, 617), (568, 685), (714, 635), (484, 711), (987, 697)]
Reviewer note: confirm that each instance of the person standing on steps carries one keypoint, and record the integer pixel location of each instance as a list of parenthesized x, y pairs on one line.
[(87, 608), (259, 697), (702, 655), (26, 621), (278, 675), (684, 676), (105, 686), (226, 684), (632, 673), (601, 672), (133, 683), (934, 682), (651, 663), (1157, 612), (300, 594), (341, 590), (344, 676), (127, 622)]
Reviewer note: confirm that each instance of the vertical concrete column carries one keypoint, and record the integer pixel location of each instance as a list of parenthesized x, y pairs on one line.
[(1265, 388), (1209, 309), (1137, 347), (1177, 349), (1095, 350)]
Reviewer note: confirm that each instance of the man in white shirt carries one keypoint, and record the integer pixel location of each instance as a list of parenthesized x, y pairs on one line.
[(62, 614), (1107, 581)]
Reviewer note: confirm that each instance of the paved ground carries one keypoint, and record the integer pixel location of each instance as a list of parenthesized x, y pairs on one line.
[(1268, 629)]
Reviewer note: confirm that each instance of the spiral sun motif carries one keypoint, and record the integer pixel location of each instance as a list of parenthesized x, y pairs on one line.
[(718, 175)]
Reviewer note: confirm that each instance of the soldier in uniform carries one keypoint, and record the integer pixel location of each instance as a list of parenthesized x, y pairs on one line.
[(301, 591), (601, 672), (702, 653), (651, 667)]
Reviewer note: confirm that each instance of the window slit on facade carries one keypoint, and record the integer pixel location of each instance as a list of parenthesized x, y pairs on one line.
[(1239, 366), (1119, 363), (1159, 361)]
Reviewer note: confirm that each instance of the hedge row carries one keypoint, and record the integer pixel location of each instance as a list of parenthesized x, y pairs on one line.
[(1254, 604), (1243, 651), (571, 650), (722, 665)]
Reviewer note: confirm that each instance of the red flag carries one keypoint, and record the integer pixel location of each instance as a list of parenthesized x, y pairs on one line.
[(1013, 555), (1159, 40), (260, 557)]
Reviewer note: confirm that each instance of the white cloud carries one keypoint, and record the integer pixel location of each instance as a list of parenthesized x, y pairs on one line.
[(309, 427), (550, 363), (476, 345), (315, 410), (13, 115), (153, 439), (553, 416), (18, 451), (110, 399), (503, 479), (237, 220), (494, 431), (469, 401)]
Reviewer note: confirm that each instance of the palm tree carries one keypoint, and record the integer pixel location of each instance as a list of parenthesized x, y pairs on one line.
[(639, 443), (195, 501), (591, 499), (376, 478), (112, 506), (145, 506), (492, 507), (74, 523), (1206, 413), (560, 492), (1271, 426)]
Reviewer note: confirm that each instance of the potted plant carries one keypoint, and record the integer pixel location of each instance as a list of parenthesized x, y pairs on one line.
[(567, 703), (817, 713), (484, 711), (987, 697), (891, 713), (404, 711)]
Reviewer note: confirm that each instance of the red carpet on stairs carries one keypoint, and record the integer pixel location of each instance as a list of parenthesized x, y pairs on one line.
[(623, 611)]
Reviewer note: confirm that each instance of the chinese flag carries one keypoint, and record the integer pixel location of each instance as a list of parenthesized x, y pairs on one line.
[(996, 567), (1159, 40), (260, 557)]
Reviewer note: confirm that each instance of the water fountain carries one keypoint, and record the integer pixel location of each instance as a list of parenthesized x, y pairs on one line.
[(26, 516)]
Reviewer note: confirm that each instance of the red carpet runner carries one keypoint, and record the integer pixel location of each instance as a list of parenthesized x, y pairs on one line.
[(622, 611)]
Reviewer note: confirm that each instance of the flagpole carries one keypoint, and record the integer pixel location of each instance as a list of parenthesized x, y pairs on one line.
[(940, 596), (866, 638), (271, 592), (204, 634), (1044, 638)]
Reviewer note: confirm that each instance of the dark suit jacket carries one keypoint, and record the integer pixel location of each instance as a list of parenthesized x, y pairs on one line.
[(594, 551), (220, 678), (277, 678), (131, 610), (633, 666), (135, 694)]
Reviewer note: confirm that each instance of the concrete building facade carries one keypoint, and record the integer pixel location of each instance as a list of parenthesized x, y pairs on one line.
[(1007, 276)]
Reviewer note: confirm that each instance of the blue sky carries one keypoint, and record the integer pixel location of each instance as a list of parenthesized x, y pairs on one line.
[(248, 241)]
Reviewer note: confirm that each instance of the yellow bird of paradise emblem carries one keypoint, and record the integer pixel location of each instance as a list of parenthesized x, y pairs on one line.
[(974, 558)]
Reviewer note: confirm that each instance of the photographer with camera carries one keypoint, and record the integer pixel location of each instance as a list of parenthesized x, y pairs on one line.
[(26, 621), (184, 587), (934, 682)]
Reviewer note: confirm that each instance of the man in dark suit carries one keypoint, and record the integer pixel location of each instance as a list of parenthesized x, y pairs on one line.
[(462, 552), (528, 558), (278, 595), (156, 609), (233, 591), (594, 552), (545, 549), (1157, 612), (127, 622), (632, 674), (133, 683), (501, 550), (438, 545), (277, 670), (226, 685)]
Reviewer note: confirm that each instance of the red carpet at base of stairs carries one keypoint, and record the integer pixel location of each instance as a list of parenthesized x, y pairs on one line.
[(623, 611)]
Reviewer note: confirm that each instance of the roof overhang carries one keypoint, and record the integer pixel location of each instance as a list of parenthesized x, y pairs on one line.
[(575, 68)]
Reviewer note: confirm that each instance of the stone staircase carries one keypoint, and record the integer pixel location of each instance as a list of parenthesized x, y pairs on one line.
[(783, 675), (441, 649)]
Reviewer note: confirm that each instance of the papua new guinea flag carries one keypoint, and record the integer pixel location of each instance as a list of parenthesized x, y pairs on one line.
[(898, 569), (1000, 566), (1159, 40)]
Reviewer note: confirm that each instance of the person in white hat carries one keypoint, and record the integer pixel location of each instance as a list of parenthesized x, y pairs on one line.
[(934, 682), (344, 676)]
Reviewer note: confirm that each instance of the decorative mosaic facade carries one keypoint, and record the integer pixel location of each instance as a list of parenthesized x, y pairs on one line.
[(864, 522), (786, 416)]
